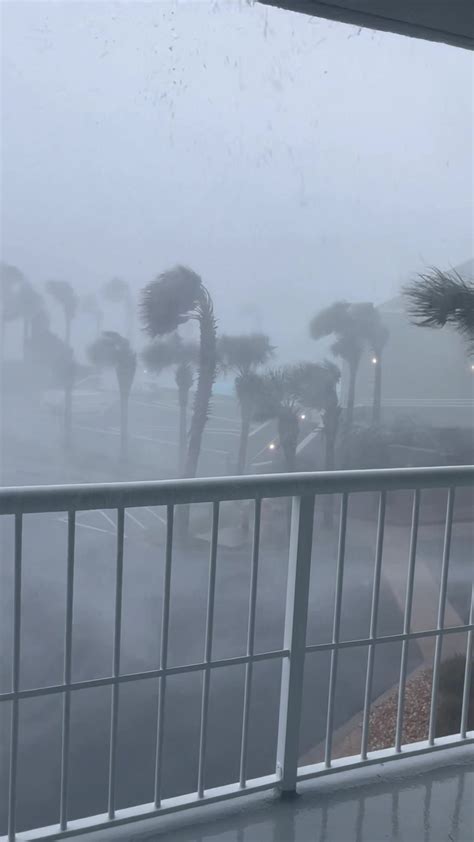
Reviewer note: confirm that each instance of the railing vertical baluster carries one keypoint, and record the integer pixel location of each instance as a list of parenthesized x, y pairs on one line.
[(208, 648), (468, 671), (373, 623), (296, 616), (116, 663), (250, 641), (71, 529), (336, 628), (407, 618), (441, 612), (165, 619), (15, 678)]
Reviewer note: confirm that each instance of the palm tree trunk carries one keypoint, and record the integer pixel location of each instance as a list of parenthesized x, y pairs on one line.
[(123, 428), (183, 427), (243, 443), (68, 419), (206, 376), (377, 400)]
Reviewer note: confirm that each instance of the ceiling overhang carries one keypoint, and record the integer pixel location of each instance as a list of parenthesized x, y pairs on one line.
[(446, 21)]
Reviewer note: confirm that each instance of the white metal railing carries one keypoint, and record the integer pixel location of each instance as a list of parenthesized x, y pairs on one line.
[(303, 488)]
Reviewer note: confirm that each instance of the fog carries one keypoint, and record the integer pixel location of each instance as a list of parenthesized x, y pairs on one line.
[(289, 160), (292, 163)]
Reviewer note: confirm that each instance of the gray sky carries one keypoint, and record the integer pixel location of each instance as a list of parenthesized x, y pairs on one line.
[(290, 161)]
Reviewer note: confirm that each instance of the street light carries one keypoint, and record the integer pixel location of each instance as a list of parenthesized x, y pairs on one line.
[(374, 360), (272, 445), (302, 416)]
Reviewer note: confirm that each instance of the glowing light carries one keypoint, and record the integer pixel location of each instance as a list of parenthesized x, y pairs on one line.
[(374, 360), (303, 416), (272, 446), (472, 367)]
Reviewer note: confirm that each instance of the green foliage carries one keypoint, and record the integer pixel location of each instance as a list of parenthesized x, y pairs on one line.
[(438, 298), (171, 300), (244, 353)]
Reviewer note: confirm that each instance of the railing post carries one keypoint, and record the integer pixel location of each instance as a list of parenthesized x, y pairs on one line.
[(296, 614)]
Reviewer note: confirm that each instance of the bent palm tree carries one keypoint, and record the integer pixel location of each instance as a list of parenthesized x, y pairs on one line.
[(439, 298), (112, 350), (244, 354), (117, 290), (183, 356), (66, 297), (18, 300), (174, 298)]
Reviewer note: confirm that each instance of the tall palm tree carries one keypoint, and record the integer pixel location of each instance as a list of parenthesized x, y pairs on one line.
[(244, 354), (118, 291), (439, 298), (182, 356), (111, 350), (67, 299), (279, 397), (352, 326), (18, 300), (175, 297)]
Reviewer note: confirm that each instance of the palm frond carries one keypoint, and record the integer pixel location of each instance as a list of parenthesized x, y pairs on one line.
[(438, 298), (171, 300)]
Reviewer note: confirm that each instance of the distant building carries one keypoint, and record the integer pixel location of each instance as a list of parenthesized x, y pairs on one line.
[(427, 374)]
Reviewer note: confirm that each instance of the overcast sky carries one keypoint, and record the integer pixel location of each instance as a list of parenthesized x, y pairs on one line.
[(288, 160)]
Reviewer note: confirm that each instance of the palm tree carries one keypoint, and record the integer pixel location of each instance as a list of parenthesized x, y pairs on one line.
[(355, 327), (175, 297), (18, 299), (66, 297), (182, 356), (111, 350), (439, 298), (117, 290), (90, 305), (278, 396), (244, 355)]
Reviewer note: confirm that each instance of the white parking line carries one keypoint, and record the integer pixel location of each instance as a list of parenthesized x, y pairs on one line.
[(88, 526), (107, 517), (260, 427), (155, 514), (135, 519)]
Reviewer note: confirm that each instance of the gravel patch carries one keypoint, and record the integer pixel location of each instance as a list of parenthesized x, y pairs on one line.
[(383, 719)]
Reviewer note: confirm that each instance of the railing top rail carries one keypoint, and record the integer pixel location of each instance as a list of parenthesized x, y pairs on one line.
[(60, 498)]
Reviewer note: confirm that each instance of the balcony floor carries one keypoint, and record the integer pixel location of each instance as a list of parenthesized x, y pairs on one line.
[(423, 799)]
